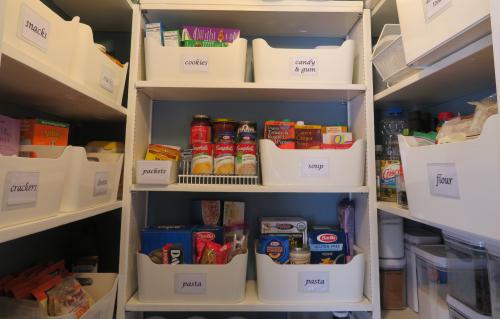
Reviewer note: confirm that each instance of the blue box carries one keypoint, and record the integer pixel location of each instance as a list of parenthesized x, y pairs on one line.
[(181, 237), (327, 245)]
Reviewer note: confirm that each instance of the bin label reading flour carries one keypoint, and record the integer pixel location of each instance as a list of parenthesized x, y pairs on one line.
[(433, 7), (33, 28), (315, 167), (443, 180), (304, 66), (195, 63), (101, 183), (314, 281), (21, 188), (107, 79), (191, 284)]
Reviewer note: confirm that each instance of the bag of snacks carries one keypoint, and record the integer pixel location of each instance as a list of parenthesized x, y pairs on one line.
[(68, 297)]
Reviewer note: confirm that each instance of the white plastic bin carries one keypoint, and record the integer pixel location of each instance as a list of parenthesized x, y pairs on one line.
[(312, 167), (493, 249), (458, 310), (32, 28), (31, 188), (390, 240), (310, 283), (156, 172), (433, 30), (322, 65), (214, 64), (215, 284), (469, 168)]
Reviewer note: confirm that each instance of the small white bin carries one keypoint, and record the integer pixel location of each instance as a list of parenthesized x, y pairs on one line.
[(215, 284), (40, 186), (432, 30), (322, 65), (214, 64), (462, 172), (312, 167), (310, 283), (95, 69), (156, 172), (32, 28)]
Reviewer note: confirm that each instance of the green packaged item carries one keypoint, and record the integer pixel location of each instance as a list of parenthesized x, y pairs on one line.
[(204, 44)]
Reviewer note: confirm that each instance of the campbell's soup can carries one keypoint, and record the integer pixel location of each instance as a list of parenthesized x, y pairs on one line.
[(203, 159), (246, 158), (224, 158)]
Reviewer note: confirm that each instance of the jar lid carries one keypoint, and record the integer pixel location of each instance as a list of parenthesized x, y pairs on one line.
[(434, 254), (299, 250), (464, 310), (418, 236), (201, 117), (392, 264), (224, 120)]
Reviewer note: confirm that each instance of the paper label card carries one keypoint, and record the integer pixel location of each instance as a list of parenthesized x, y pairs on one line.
[(195, 63), (153, 172), (434, 7), (315, 167), (443, 180), (304, 66), (314, 281), (101, 183), (107, 79), (191, 284), (33, 28), (22, 188)]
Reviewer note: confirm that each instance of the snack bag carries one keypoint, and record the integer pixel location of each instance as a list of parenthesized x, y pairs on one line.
[(68, 297)]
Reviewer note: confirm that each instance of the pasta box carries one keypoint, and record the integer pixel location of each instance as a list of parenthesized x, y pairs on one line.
[(327, 245), (177, 238)]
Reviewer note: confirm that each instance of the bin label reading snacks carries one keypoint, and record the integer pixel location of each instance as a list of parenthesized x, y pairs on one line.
[(195, 63), (191, 284), (304, 66), (101, 183), (107, 79), (315, 167), (33, 28), (443, 180), (314, 281), (22, 188), (434, 7)]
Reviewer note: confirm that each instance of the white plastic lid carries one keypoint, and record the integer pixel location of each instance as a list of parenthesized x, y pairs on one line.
[(435, 254), (392, 264), (421, 237), (464, 238), (463, 309)]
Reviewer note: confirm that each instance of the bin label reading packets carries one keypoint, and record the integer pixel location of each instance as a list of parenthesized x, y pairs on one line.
[(304, 66), (434, 7), (443, 180), (195, 63), (315, 167), (153, 172), (101, 183), (22, 188), (191, 284), (33, 28), (107, 79), (314, 282)]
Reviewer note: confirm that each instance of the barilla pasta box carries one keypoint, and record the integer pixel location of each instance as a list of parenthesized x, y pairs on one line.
[(276, 247), (212, 233), (168, 244), (327, 245)]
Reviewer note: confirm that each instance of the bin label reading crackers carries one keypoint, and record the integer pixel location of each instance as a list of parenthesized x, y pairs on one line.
[(21, 188)]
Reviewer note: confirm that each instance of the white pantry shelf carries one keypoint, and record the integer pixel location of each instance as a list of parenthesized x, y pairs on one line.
[(247, 189), (467, 71), (188, 91), (394, 209), (26, 82), (39, 225), (250, 303), (399, 314)]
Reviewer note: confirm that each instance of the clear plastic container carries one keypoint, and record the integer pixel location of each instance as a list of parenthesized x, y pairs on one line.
[(494, 275), (432, 273), (468, 271), (458, 310), (393, 284), (390, 240)]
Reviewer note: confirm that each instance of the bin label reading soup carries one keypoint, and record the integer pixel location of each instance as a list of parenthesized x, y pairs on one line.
[(33, 28), (195, 63), (107, 79), (315, 167), (433, 7), (304, 66), (314, 281), (191, 284), (101, 183), (443, 180), (22, 188)]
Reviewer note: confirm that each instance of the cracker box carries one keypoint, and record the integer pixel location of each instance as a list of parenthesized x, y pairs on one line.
[(179, 239), (42, 132), (327, 245)]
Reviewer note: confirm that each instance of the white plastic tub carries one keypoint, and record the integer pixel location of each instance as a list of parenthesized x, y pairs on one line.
[(433, 30), (390, 240), (312, 167), (164, 63), (322, 65), (215, 284), (156, 172), (330, 283), (471, 167)]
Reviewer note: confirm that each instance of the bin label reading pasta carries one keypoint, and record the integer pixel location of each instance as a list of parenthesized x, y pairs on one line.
[(443, 180), (195, 63), (434, 7), (191, 284), (22, 188), (314, 281), (33, 28), (315, 167), (107, 79), (101, 183), (304, 66)]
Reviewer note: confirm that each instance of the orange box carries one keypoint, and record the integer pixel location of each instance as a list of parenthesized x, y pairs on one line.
[(282, 133), (42, 132)]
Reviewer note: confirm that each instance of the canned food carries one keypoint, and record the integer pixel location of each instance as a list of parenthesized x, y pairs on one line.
[(247, 131), (224, 130), (203, 159), (201, 129), (224, 159), (246, 158)]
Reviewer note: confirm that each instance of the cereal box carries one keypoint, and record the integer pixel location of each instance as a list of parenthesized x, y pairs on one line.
[(42, 132)]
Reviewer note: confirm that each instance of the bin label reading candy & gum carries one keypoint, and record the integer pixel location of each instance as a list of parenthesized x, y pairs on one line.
[(304, 66)]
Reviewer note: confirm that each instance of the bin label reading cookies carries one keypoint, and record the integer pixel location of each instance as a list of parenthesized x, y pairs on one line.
[(443, 180), (304, 66), (314, 281), (315, 167), (21, 188), (101, 183), (191, 284), (195, 63), (107, 79), (33, 28), (434, 7)]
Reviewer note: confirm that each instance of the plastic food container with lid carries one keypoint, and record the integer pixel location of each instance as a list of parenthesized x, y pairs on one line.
[(390, 241), (393, 283), (494, 275), (458, 310), (414, 237), (468, 278), (432, 273)]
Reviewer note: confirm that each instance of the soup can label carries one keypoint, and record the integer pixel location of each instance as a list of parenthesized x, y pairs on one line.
[(203, 159), (224, 159), (246, 158)]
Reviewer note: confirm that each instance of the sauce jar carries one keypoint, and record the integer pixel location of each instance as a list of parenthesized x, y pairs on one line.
[(201, 130), (300, 256), (247, 131), (224, 130)]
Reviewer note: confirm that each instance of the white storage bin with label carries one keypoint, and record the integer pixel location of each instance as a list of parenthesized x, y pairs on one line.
[(432, 30), (343, 167), (322, 65), (32, 28), (446, 183), (156, 172), (214, 64), (95, 69), (310, 283), (207, 284), (31, 188)]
